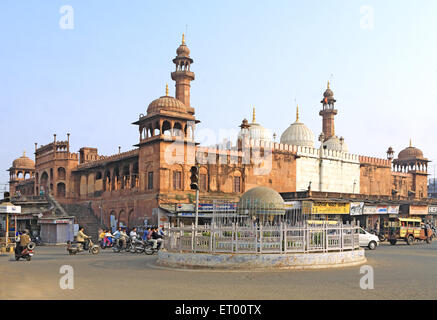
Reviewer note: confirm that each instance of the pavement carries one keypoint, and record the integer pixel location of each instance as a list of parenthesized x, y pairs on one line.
[(400, 272)]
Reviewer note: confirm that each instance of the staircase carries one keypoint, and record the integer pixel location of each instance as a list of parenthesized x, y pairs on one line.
[(86, 218)]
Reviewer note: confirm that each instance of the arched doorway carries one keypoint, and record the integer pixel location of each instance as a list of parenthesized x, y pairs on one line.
[(60, 190)]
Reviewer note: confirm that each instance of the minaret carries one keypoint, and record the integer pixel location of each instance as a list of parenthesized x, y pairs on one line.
[(183, 76), (328, 113)]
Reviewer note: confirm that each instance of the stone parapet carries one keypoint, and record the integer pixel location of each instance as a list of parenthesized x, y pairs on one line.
[(261, 261)]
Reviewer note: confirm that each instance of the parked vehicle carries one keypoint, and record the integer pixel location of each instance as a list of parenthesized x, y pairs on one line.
[(26, 253), (368, 240), (408, 229), (75, 247)]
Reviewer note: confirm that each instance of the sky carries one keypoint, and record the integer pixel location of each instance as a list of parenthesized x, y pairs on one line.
[(92, 80)]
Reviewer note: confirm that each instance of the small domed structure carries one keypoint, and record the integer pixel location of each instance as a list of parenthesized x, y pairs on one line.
[(258, 132), (261, 201), (410, 153), (298, 134), (183, 50), (336, 144), (23, 163), (166, 103)]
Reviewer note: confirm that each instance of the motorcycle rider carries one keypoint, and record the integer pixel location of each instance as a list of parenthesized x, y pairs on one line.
[(81, 238), (24, 241), (133, 234), (157, 237)]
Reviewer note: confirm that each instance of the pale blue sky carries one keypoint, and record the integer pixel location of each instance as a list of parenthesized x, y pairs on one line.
[(94, 81)]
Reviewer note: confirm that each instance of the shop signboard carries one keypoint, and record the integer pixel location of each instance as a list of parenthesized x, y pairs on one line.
[(356, 208), (418, 210), (330, 208), (379, 209), (290, 205), (10, 209), (432, 210), (393, 210), (206, 207)]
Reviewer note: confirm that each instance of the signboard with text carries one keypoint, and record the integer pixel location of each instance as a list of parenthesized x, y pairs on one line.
[(418, 210), (330, 208), (432, 210)]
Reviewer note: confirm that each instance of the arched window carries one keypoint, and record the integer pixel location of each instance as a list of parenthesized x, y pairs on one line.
[(61, 173)]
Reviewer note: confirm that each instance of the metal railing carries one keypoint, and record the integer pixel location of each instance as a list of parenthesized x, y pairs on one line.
[(262, 239)]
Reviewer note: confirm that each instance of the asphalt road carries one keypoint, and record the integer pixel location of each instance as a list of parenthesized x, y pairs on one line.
[(400, 272)]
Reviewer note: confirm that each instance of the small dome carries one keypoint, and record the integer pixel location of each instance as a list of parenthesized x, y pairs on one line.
[(336, 144), (166, 103), (298, 134), (328, 93), (261, 200), (258, 132), (183, 51), (23, 163), (410, 153)]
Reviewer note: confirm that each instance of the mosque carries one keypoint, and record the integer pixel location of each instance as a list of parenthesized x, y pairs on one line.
[(130, 186)]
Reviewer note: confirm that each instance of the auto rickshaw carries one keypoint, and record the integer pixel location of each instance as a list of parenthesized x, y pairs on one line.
[(408, 229)]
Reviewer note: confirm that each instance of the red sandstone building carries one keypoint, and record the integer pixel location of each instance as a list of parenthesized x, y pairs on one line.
[(130, 185)]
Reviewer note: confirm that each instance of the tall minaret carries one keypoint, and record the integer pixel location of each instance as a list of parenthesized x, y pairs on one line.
[(328, 112), (183, 76)]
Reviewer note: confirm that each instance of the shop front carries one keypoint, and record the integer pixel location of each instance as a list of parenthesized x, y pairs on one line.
[(375, 215), (414, 211), (56, 231)]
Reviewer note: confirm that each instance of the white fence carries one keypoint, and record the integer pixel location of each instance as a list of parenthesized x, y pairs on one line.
[(262, 239)]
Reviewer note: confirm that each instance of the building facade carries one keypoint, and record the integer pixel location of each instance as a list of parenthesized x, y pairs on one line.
[(128, 187)]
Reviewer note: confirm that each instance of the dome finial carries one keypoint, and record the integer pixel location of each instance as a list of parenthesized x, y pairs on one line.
[(328, 84), (253, 118), (411, 143), (297, 113), (24, 153), (183, 38), (166, 89)]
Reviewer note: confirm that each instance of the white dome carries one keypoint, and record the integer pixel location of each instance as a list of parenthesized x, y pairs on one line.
[(298, 134), (258, 132), (336, 144)]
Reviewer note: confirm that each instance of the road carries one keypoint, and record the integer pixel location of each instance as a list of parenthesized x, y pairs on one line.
[(400, 272)]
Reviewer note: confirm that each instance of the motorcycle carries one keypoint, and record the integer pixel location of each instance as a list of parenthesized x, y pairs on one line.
[(149, 250), (75, 247), (137, 245), (26, 253), (119, 246), (104, 245)]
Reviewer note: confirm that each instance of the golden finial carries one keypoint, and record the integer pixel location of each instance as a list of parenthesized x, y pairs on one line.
[(24, 153), (411, 143), (253, 119), (166, 89), (328, 84), (183, 38), (297, 113)]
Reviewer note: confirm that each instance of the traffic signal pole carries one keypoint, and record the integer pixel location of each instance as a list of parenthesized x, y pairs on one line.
[(197, 207)]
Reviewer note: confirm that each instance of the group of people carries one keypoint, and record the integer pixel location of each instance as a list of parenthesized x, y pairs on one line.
[(154, 235)]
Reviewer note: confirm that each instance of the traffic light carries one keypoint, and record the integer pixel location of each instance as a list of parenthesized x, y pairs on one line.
[(194, 178)]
